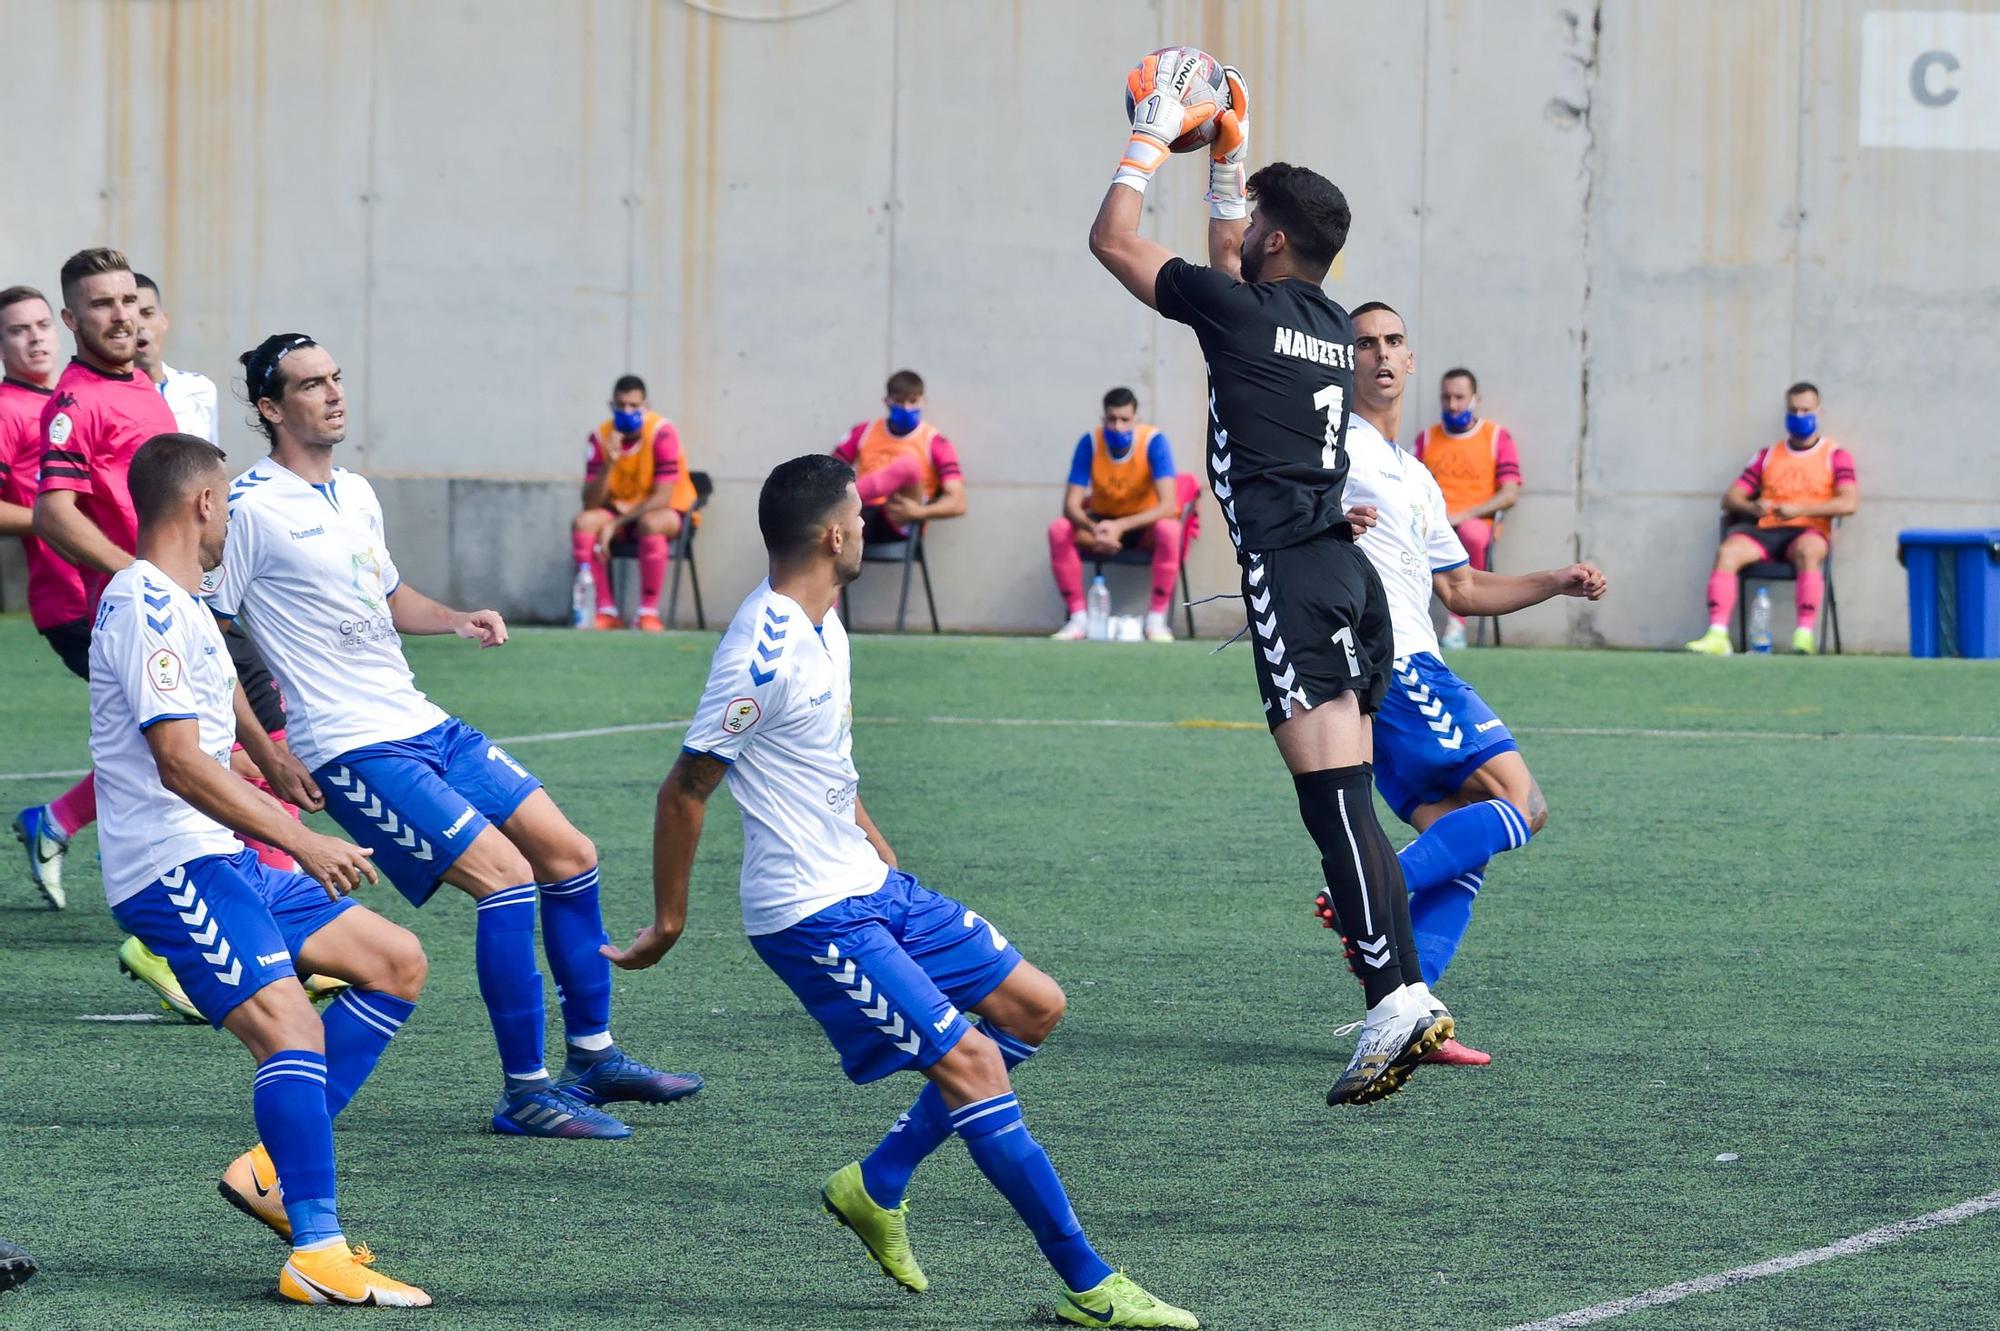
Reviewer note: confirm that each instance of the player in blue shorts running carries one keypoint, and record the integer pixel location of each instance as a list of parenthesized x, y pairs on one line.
[(1443, 761), (164, 710), (307, 566), (888, 967)]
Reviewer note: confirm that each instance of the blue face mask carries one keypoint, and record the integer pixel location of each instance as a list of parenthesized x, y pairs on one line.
[(1458, 422), (1119, 441), (1802, 424), (627, 422), (903, 419)]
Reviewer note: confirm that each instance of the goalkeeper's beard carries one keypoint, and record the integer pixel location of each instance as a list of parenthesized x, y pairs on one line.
[(1252, 262)]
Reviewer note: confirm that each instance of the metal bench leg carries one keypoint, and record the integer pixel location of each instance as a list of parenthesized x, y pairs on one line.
[(924, 564), (694, 582), (674, 589), (1187, 598), (903, 601)]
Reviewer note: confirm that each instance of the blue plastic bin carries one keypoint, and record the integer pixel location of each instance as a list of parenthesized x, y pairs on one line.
[(1954, 591)]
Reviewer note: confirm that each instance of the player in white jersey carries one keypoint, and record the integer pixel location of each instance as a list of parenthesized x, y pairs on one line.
[(1443, 761), (887, 966), (165, 707), (190, 395), (309, 571)]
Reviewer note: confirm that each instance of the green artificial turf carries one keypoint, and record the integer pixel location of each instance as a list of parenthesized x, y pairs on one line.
[(1760, 922)]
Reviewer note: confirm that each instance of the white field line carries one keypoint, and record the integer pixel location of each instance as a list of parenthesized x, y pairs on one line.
[(1847, 1247), (1127, 723)]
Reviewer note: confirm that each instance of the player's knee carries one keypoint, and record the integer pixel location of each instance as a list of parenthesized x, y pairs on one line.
[(1062, 534), (571, 855), (404, 967), (586, 522), (1047, 1012), (277, 1017), (492, 864), (972, 1069), (1167, 532)]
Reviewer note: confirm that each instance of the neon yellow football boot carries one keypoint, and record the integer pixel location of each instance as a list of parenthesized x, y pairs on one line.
[(1715, 642), (1118, 1301), (885, 1233), (1805, 642), (151, 969), (340, 1275), (250, 1184)]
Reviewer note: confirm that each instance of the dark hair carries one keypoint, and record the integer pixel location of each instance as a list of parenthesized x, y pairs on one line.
[(905, 383), (1307, 207), (89, 263), (165, 469), (1370, 307), (141, 280), (797, 496), (1121, 397), (264, 374), (1460, 372), (15, 295), (628, 383), (1801, 386)]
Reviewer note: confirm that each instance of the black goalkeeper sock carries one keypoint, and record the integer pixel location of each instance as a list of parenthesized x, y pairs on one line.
[(1363, 879)]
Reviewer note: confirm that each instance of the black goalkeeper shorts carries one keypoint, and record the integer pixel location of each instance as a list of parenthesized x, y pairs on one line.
[(1319, 626)]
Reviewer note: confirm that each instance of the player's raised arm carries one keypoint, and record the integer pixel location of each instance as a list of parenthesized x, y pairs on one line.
[(678, 814), (1158, 118), (1228, 199)]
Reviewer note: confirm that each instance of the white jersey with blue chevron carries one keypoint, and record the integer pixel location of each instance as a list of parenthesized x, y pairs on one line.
[(779, 710), (155, 655), (1410, 539), (307, 567)]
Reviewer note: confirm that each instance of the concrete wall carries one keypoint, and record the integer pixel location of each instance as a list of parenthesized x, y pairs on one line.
[(1638, 222)]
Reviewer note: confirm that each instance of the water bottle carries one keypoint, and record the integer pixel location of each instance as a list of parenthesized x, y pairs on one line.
[(583, 600), (1097, 610), (1760, 622)]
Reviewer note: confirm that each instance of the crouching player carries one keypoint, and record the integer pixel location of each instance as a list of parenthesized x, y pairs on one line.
[(887, 966), (164, 709), (1443, 761)]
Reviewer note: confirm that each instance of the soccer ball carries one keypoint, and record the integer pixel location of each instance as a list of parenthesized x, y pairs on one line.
[(1195, 77)]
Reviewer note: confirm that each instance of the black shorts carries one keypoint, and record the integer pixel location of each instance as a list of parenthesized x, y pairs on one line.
[(258, 685), (72, 643), (876, 529), (1777, 541), (1319, 626)]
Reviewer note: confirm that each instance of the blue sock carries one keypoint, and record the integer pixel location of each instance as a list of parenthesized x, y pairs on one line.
[(1439, 917), (289, 1097), (1461, 841), (1016, 1164), (359, 1024), (922, 1129), (572, 931), (504, 955)]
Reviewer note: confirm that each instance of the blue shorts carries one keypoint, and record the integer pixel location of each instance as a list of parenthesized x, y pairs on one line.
[(888, 974), (1431, 733), (228, 926), (419, 802)]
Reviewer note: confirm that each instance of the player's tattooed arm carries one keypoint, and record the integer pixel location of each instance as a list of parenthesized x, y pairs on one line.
[(678, 813), (1130, 257), (874, 834)]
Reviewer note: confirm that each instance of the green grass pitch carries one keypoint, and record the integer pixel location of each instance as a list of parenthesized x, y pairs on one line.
[(1761, 922)]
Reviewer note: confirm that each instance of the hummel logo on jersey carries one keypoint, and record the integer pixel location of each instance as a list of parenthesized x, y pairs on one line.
[(273, 958), (1485, 726), (456, 827), (1337, 355), (310, 531), (950, 1015)]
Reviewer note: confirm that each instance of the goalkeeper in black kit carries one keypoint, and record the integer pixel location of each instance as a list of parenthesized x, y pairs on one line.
[(1280, 357)]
